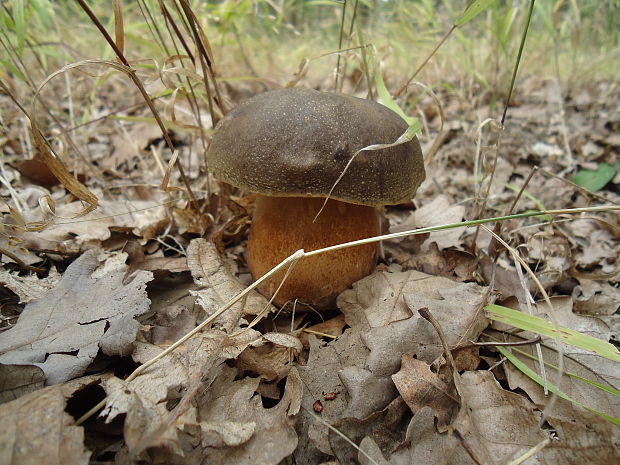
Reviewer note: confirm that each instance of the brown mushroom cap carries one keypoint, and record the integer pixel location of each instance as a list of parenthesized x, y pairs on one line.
[(297, 142)]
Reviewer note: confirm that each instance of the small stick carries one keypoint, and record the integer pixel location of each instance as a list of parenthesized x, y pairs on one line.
[(468, 449), (427, 315)]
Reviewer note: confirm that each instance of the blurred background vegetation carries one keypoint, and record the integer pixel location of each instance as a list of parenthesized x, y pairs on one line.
[(574, 40)]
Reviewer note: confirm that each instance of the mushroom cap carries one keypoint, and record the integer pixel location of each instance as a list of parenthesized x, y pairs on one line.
[(297, 142)]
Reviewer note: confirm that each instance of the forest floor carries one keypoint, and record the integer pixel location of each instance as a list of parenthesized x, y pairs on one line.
[(87, 298)]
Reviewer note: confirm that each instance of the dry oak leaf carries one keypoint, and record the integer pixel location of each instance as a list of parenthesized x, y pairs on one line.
[(498, 425), (386, 428), (179, 375), (36, 429), (596, 297), (18, 380), (573, 386), (235, 426), (220, 286), (457, 307), (420, 387), (138, 216), (29, 287), (320, 376), (588, 325), (583, 438), (439, 211), (62, 331)]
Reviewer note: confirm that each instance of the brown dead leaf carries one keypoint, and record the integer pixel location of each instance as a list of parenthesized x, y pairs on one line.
[(175, 379), (440, 211), (591, 326), (268, 361), (38, 431), (572, 386), (448, 263), (220, 286), (29, 287), (321, 376), (18, 380), (37, 171), (62, 331), (333, 327), (498, 425), (599, 246), (422, 445), (135, 216), (271, 357), (131, 143), (15, 246), (420, 387), (237, 429), (583, 438), (378, 299), (596, 298), (457, 307), (386, 428)]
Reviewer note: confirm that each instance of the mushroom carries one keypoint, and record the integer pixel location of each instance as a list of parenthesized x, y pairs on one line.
[(290, 147)]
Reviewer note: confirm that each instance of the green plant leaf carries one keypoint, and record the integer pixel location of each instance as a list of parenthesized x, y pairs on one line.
[(388, 101), (472, 11), (602, 387), (527, 371), (20, 26), (595, 180), (546, 328), (11, 68)]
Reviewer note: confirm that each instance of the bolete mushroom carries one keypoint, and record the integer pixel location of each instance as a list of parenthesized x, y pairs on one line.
[(290, 147)]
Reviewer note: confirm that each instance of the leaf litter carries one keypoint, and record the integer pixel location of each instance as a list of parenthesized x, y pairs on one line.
[(139, 279)]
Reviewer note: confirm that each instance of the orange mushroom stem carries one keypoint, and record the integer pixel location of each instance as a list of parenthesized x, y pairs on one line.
[(283, 225)]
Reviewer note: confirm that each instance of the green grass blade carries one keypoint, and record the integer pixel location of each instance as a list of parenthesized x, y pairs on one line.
[(388, 101), (602, 387), (12, 69), (527, 371), (545, 328), (472, 11), (20, 24)]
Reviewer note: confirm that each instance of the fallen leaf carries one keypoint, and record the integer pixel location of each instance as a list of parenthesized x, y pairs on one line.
[(62, 331), (38, 431), (420, 387), (18, 380), (386, 428), (333, 327), (457, 307), (320, 376), (448, 263), (29, 287), (583, 438), (595, 298), (219, 286), (563, 315), (236, 428), (271, 357), (439, 211), (177, 378), (486, 410), (136, 216)]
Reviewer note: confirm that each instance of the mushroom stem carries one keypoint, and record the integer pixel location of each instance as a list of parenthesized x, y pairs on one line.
[(282, 225)]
